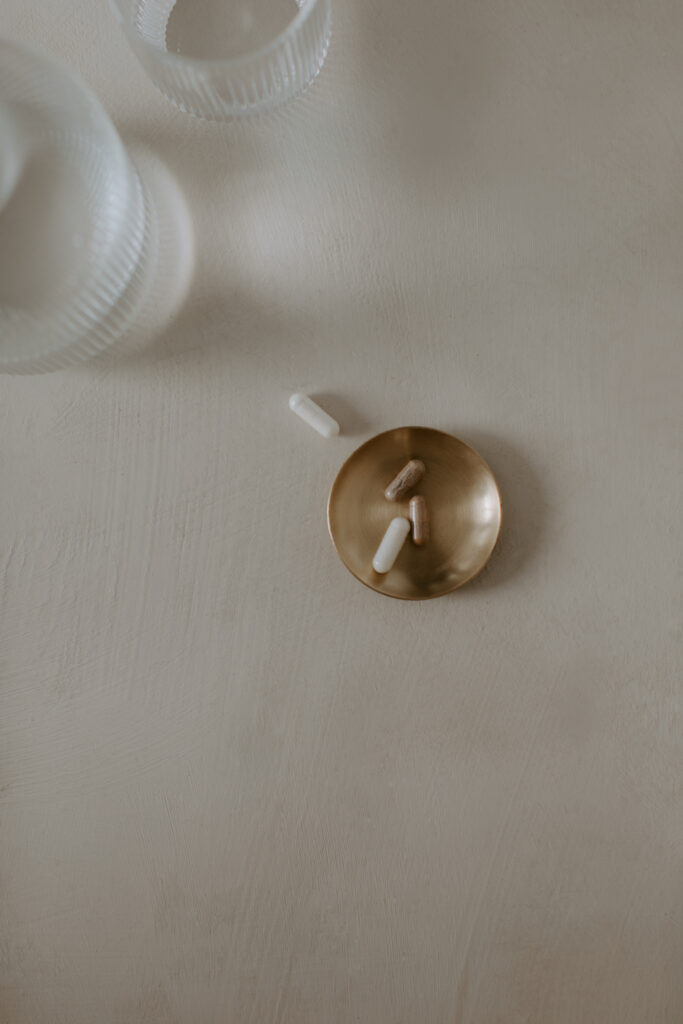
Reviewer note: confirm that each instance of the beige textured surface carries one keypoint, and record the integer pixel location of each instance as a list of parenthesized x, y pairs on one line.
[(236, 785)]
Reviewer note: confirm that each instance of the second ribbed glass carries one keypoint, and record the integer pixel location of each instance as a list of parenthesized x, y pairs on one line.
[(89, 250), (223, 59)]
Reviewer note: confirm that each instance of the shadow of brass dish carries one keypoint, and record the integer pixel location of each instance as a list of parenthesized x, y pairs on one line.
[(464, 508)]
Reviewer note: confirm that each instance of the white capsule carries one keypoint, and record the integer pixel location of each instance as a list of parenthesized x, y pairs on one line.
[(390, 545), (310, 413)]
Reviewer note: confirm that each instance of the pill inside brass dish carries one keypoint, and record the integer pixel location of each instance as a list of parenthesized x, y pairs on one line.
[(464, 512)]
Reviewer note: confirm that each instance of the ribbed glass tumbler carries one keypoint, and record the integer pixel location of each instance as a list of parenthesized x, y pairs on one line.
[(79, 229), (224, 59)]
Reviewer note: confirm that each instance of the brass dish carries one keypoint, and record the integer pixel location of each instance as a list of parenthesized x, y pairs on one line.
[(464, 508)]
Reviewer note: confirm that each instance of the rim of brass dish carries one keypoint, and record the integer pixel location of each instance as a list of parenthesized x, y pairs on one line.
[(464, 507)]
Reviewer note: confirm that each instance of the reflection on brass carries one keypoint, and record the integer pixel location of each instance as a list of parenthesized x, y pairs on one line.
[(464, 512)]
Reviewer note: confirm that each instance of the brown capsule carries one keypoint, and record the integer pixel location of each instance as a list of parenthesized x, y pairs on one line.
[(403, 481), (419, 517)]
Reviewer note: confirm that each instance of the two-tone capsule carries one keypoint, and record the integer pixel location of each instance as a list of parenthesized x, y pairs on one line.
[(419, 519)]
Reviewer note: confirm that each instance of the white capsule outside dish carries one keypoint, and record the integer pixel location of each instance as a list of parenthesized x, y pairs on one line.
[(308, 411), (390, 545)]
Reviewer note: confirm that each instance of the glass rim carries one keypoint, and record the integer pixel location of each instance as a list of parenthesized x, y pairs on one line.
[(215, 63)]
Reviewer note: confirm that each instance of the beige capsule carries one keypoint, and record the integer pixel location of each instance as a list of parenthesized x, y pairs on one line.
[(419, 517), (403, 481)]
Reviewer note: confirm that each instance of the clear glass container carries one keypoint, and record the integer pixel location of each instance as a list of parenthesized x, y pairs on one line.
[(79, 230), (223, 59)]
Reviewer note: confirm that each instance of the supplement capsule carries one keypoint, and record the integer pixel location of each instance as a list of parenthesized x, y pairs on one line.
[(310, 413), (419, 517), (407, 478), (390, 545)]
